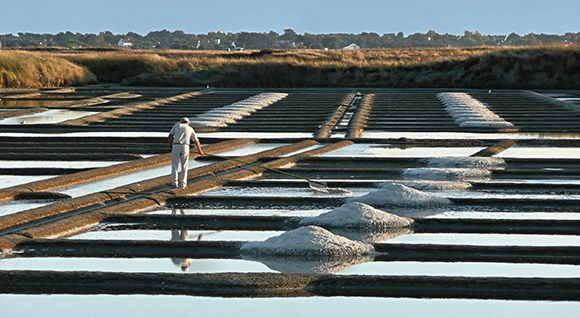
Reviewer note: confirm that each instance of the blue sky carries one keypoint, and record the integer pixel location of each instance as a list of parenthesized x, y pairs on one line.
[(313, 16)]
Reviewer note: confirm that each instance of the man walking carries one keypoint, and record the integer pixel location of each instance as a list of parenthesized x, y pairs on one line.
[(179, 138)]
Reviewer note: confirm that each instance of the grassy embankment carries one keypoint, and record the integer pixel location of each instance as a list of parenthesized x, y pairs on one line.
[(555, 67), (34, 69)]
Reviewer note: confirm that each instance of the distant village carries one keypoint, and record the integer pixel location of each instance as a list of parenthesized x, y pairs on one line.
[(228, 41)]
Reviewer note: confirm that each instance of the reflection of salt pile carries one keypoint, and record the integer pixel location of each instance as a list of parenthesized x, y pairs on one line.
[(455, 168), (426, 185), (398, 195), (223, 116), (357, 215), (373, 235), (307, 241), (469, 112), (466, 162), (315, 265), (460, 174)]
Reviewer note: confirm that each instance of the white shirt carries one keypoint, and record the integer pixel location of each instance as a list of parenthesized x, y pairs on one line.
[(182, 133)]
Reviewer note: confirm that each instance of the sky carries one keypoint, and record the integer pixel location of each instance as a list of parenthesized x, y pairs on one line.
[(494, 17)]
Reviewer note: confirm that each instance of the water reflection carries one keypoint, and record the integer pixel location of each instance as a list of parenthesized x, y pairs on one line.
[(48, 117), (181, 235), (309, 264), (372, 235)]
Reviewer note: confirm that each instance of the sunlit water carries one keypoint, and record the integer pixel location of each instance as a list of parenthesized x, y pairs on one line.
[(48, 117), (65, 306)]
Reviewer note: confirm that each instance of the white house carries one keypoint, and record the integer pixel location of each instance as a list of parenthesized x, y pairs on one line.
[(124, 43), (351, 46)]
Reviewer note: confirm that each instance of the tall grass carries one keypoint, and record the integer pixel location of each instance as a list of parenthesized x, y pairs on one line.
[(479, 67), (32, 69)]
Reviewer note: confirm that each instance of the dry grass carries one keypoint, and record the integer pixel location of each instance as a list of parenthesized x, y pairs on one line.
[(486, 67), (31, 69)]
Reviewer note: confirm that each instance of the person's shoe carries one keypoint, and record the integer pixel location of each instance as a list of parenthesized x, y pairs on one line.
[(183, 186), (173, 186)]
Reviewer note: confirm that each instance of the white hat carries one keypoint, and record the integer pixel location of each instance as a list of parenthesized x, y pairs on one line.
[(185, 120)]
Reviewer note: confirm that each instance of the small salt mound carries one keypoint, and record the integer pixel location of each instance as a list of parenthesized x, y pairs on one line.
[(396, 194), (466, 162), (357, 215), (434, 185), (309, 240), (459, 174)]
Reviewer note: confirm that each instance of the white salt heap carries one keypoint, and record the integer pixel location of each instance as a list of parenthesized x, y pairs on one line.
[(357, 215), (469, 112), (229, 114), (466, 162), (399, 195), (307, 241), (458, 174)]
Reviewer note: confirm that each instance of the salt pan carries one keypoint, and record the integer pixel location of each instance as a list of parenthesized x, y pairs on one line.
[(399, 195), (307, 241), (357, 215)]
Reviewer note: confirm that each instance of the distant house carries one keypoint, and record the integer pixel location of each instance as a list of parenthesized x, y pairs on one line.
[(124, 43), (351, 46)]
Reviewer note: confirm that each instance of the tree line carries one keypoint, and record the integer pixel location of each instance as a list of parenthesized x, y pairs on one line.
[(221, 40)]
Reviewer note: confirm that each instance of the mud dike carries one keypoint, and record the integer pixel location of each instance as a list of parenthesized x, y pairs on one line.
[(423, 189)]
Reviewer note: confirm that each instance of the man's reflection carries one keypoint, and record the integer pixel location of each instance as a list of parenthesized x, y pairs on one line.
[(182, 235)]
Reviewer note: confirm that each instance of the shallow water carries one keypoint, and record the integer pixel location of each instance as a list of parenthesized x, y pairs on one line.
[(110, 306), (244, 211), (488, 239), (507, 215), (463, 269), (469, 136), (10, 181), (381, 151), (48, 117), (166, 235), (10, 207), (540, 152), (241, 135), (56, 164), (249, 149), (132, 265)]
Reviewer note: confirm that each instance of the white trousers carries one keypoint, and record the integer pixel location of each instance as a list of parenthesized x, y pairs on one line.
[(179, 158)]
